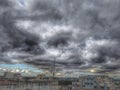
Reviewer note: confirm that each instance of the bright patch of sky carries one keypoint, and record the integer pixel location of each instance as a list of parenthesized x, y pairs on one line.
[(21, 2), (20, 66)]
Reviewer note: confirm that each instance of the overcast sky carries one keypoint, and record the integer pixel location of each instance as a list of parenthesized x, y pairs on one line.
[(77, 34)]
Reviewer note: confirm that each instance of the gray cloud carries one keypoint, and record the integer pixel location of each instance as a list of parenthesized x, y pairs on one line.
[(5, 3), (60, 39), (84, 33)]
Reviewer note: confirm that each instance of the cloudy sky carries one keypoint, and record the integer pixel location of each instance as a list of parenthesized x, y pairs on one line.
[(75, 34)]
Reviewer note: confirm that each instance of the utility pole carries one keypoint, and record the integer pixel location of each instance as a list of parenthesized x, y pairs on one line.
[(54, 70)]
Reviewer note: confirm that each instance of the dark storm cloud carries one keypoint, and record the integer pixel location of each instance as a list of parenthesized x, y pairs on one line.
[(19, 38), (107, 54), (43, 11), (5, 3), (14, 40), (40, 63), (75, 59), (86, 32), (60, 39), (4, 60)]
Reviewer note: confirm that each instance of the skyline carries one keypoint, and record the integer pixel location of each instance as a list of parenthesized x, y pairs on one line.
[(78, 35)]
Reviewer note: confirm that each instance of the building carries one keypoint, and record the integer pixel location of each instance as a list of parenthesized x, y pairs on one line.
[(94, 82), (10, 75), (40, 77), (115, 80)]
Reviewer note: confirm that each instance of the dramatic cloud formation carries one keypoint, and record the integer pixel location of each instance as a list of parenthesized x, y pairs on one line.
[(75, 34)]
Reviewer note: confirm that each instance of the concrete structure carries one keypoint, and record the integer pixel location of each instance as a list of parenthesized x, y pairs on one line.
[(94, 82), (89, 82), (41, 82), (10, 75), (115, 82)]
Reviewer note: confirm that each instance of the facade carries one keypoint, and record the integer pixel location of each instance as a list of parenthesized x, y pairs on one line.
[(40, 77), (86, 82), (115, 82), (89, 82), (94, 82), (10, 75)]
